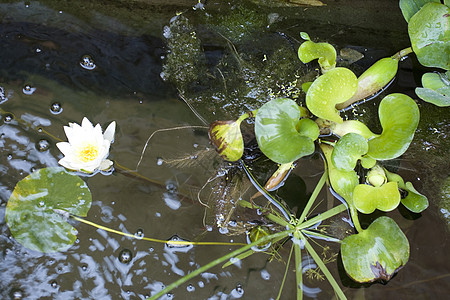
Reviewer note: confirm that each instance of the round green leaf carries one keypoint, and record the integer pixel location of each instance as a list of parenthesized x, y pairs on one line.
[(280, 134), (399, 117), (367, 198), (348, 150), (414, 201), (335, 86), (324, 52), (31, 215), (430, 35), (376, 253), (436, 89), (342, 182), (411, 7)]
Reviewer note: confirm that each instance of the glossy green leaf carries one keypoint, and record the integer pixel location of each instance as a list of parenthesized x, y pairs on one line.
[(354, 126), (31, 215), (411, 7), (333, 87), (399, 117), (376, 253), (348, 151), (280, 133), (373, 79), (414, 201), (436, 89), (324, 52), (430, 35), (342, 182), (367, 198)]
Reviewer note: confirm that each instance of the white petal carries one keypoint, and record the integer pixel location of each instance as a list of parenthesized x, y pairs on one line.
[(110, 131), (86, 124), (105, 165), (65, 148), (66, 164)]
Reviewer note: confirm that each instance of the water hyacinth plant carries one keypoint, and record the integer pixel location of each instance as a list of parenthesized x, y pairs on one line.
[(286, 131)]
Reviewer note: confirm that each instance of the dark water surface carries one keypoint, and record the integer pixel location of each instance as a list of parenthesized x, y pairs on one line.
[(43, 45)]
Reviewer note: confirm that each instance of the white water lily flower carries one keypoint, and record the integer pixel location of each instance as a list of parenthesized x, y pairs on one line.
[(87, 148)]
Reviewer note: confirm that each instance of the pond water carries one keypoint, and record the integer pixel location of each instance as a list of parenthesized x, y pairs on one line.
[(60, 62)]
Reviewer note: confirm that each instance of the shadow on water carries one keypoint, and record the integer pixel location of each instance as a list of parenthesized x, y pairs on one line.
[(42, 46)]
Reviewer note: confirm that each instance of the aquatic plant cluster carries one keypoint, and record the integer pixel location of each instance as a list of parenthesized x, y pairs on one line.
[(285, 131)]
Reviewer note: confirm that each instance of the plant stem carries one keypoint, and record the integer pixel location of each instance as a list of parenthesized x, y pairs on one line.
[(326, 215), (270, 216), (269, 197), (184, 243), (323, 267), (216, 262), (285, 273), (298, 265), (313, 197), (355, 219), (402, 53)]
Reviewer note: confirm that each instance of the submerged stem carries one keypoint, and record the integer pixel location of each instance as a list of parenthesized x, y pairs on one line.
[(216, 262), (183, 243)]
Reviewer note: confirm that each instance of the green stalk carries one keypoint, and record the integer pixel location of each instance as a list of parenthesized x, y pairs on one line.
[(216, 262), (285, 273), (326, 215), (320, 236), (269, 216), (314, 195), (355, 219), (298, 265), (324, 269)]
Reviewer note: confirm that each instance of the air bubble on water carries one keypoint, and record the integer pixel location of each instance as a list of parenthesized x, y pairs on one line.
[(56, 108), (201, 284), (16, 294), (84, 267), (8, 118), (171, 187), (41, 203), (223, 230), (125, 256), (169, 295), (139, 234), (38, 50), (190, 288), (27, 4), (238, 292), (265, 274), (159, 161), (208, 228), (176, 238), (232, 223), (87, 62), (9, 157), (28, 89), (42, 145), (54, 284)]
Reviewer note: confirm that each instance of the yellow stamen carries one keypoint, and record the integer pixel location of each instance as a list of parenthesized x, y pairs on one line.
[(88, 152)]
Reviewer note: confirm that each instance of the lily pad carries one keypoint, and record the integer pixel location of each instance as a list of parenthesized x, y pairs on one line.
[(367, 198), (376, 253), (324, 52), (348, 151), (399, 117), (430, 35), (280, 133), (31, 215), (335, 86)]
